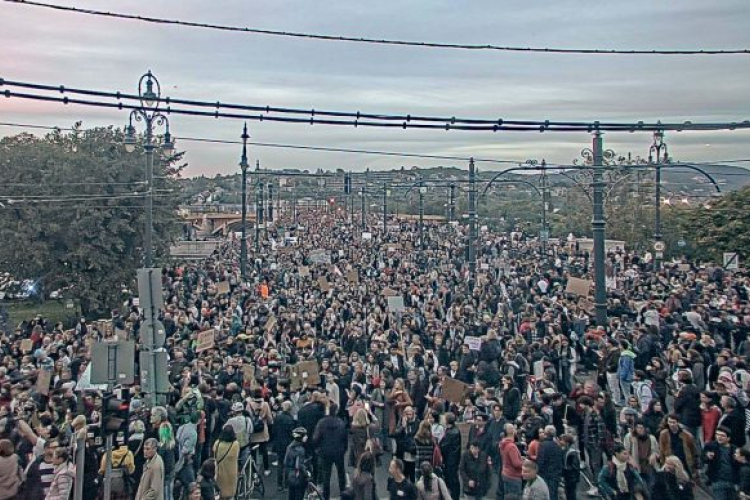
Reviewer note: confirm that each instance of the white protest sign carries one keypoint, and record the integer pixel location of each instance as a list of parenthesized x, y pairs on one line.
[(474, 343)]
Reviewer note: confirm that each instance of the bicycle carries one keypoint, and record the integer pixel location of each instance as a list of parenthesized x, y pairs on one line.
[(311, 491), (250, 481)]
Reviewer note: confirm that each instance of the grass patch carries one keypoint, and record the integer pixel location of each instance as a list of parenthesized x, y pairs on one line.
[(52, 310)]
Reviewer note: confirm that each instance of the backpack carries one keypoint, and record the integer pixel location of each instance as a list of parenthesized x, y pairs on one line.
[(257, 422), (121, 482)]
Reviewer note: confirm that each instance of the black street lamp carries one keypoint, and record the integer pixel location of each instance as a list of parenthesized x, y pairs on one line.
[(244, 165), (150, 114), (658, 155), (472, 225)]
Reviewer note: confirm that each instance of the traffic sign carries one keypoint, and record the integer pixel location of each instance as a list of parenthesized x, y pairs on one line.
[(681, 243), (659, 246)]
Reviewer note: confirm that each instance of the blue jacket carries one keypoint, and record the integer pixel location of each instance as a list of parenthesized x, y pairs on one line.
[(626, 366)]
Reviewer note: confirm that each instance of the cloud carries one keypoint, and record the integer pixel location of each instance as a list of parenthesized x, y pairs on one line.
[(83, 51)]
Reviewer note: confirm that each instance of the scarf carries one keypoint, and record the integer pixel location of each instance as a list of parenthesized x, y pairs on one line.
[(622, 482)]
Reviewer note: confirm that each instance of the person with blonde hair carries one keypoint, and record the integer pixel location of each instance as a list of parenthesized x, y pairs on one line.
[(359, 433), (672, 481)]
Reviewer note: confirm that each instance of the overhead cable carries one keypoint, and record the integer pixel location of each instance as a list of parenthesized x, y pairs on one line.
[(383, 41), (355, 119)]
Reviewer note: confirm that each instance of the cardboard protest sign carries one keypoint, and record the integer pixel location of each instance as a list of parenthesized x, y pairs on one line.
[(206, 341), (474, 343), (43, 379), (578, 286), (222, 288), (304, 372), (586, 305), (323, 284), (27, 345), (454, 390), (389, 292), (353, 277), (304, 271)]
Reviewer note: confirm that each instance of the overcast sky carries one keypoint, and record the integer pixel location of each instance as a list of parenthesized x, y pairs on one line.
[(76, 50)]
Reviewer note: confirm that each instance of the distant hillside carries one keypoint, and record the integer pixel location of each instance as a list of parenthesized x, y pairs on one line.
[(226, 189)]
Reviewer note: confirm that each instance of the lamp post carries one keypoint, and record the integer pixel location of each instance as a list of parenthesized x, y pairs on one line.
[(545, 208), (364, 220), (598, 225), (243, 166), (422, 191), (269, 212), (385, 208), (149, 92), (472, 224), (658, 155), (452, 203), (258, 208)]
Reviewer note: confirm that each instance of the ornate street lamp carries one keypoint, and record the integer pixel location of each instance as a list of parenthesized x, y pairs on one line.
[(150, 114)]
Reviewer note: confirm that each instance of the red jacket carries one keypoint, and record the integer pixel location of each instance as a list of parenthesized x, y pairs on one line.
[(709, 423), (511, 457)]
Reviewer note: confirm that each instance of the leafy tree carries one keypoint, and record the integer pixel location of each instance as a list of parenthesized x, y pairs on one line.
[(711, 228), (73, 211)]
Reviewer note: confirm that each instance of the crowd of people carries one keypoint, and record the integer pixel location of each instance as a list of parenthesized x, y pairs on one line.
[(358, 350)]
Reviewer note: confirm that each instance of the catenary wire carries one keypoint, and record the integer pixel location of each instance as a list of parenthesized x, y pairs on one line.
[(359, 119), (380, 41), (376, 152)]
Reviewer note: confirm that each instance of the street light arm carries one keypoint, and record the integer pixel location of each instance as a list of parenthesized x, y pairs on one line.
[(513, 181), (696, 169)]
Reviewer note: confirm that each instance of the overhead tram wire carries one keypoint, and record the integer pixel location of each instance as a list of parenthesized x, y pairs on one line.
[(381, 41), (300, 146), (358, 119), (674, 165)]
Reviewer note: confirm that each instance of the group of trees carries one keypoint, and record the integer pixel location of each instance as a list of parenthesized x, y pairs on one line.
[(73, 212)]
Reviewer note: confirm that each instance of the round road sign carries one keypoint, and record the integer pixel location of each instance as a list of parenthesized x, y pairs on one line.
[(659, 246)]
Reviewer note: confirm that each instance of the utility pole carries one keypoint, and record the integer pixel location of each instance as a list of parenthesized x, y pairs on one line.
[(422, 190), (385, 208), (258, 208), (243, 166), (472, 224), (364, 211), (452, 203), (270, 203), (545, 208), (598, 225)]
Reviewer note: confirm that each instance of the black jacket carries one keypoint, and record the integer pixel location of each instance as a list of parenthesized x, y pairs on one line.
[(309, 416), (330, 437), (450, 448), (477, 470), (712, 469), (550, 459), (735, 422), (283, 425), (687, 405)]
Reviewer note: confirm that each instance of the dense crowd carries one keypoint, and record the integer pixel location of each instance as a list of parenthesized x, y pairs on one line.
[(361, 350)]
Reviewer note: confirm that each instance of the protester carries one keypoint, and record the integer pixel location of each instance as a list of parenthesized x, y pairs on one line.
[(516, 338)]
